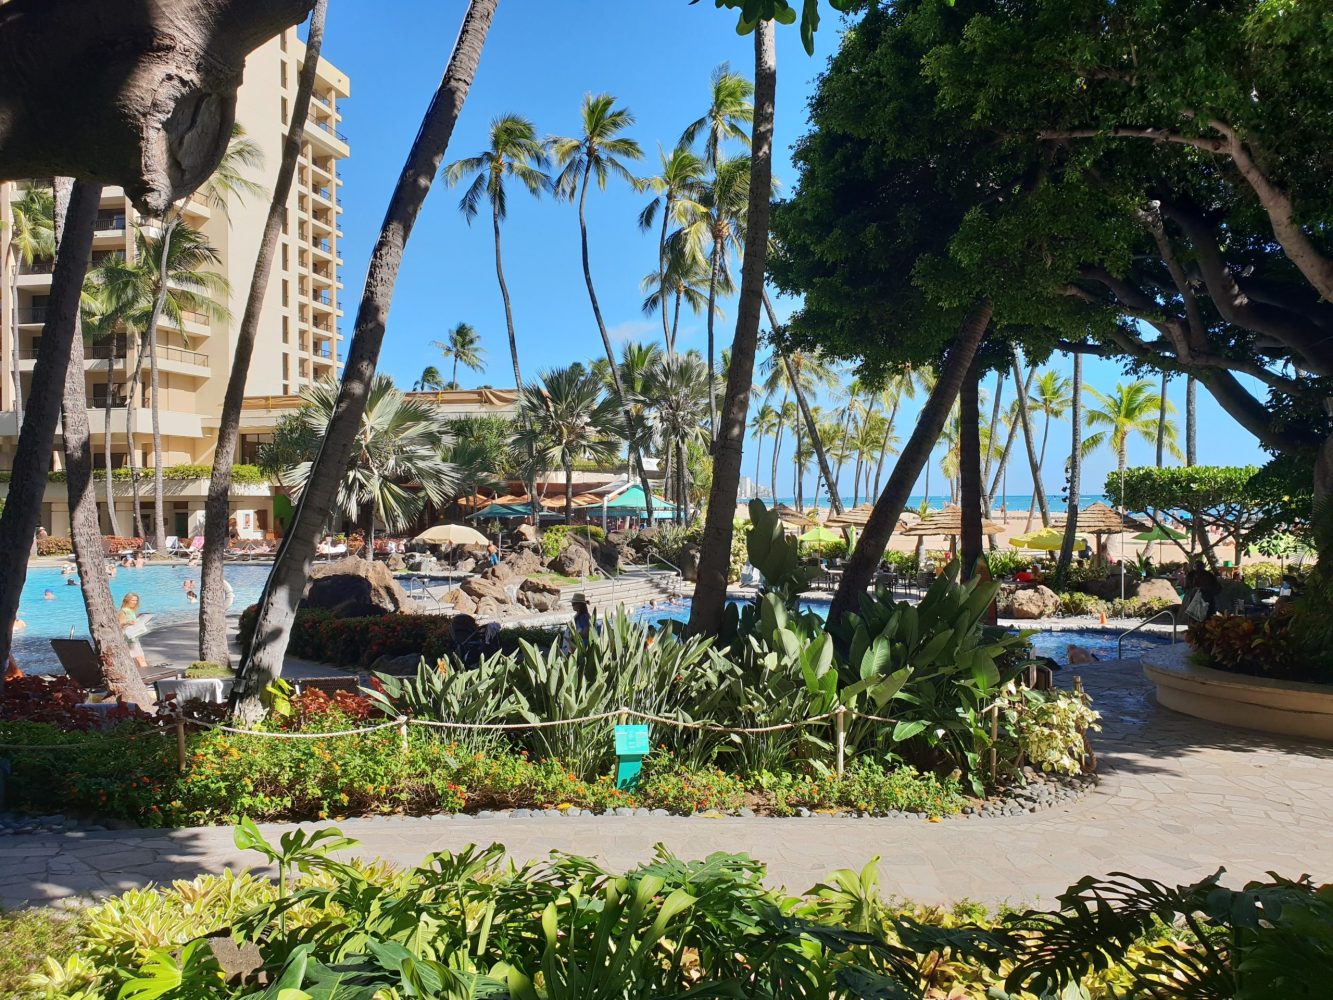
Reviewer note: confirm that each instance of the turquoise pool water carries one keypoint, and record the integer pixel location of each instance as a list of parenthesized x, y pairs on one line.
[(159, 590), (1101, 643)]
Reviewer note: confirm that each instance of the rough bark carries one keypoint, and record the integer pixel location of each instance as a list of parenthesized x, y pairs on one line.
[(113, 519), (132, 452), (145, 93), (154, 379), (1161, 423), (32, 457), (631, 425), (1075, 475), (1191, 452), (1038, 490), (121, 674), (286, 583), (212, 596), (710, 593), (914, 457), (715, 265), (969, 468), (15, 354), (884, 445)]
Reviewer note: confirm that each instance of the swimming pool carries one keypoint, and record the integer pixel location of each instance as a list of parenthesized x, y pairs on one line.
[(159, 590), (1055, 643)]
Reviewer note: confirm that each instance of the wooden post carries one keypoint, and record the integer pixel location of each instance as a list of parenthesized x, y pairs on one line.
[(402, 732), (840, 731), (994, 736), (180, 741)]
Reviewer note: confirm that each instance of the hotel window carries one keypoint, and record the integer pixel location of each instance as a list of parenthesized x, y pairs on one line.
[(286, 332), (286, 292), (284, 111), (282, 72)]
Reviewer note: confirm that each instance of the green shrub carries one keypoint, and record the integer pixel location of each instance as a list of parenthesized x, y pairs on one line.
[(1006, 562), (52, 546), (866, 786), (1140, 607), (1076, 602), (205, 669), (1262, 574), (358, 642), (903, 563), (555, 538), (679, 788)]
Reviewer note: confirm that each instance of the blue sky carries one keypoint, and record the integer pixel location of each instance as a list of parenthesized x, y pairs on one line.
[(655, 56)]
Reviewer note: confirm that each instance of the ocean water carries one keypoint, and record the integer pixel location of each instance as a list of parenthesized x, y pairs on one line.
[(1010, 501)]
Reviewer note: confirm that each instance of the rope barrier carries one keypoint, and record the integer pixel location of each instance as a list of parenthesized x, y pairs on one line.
[(396, 723)]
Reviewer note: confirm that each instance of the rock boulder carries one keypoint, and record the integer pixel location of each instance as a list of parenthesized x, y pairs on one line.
[(1162, 590), (689, 563), (538, 595), (573, 562), (523, 562), (1036, 602), (479, 589), (500, 573), (355, 585), (460, 602)]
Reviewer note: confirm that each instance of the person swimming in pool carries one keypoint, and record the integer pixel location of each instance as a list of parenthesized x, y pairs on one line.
[(190, 594)]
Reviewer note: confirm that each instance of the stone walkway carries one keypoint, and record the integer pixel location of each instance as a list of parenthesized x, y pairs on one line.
[(1179, 798)]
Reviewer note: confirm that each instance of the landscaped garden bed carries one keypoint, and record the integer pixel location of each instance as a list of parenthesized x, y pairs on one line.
[(472, 924)]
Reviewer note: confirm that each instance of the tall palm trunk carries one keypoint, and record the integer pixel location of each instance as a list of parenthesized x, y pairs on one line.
[(812, 429), (15, 351), (631, 426), (710, 593), (714, 272), (969, 468), (796, 472), (212, 594), (1075, 476), (32, 457), (1161, 424), (122, 676), (569, 492), (661, 279), (884, 445), (1002, 468), (1038, 489), (1191, 414), (131, 414), (914, 457), (154, 318), (675, 324), (113, 519), (513, 353), (758, 456), (846, 429), (282, 593), (453, 379)]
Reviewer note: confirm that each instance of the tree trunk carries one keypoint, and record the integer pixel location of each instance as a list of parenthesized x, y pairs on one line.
[(113, 519), (131, 410), (217, 507), (32, 457), (282, 593), (1191, 393), (15, 352), (988, 460), (631, 428), (159, 303), (884, 445), (120, 671), (710, 593), (1161, 424), (1075, 476), (912, 459), (715, 266), (1038, 489), (1002, 468), (661, 279), (969, 468), (835, 501), (777, 446), (675, 325), (569, 493)]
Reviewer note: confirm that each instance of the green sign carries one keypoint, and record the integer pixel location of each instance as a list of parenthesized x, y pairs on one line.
[(631, 748)]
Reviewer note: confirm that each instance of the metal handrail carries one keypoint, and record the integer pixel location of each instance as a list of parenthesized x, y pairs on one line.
[(1120, 641), (680, 574)]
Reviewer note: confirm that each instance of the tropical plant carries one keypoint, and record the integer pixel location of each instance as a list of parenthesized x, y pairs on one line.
[(1132, 410), (430, 380), (675, 190), (674, 396), (32, 238), (462, 346), (597, 153), (398, 464), (729, 114), (566, 418), (101, 323)]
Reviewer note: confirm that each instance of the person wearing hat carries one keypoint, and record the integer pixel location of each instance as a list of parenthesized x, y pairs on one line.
[(582, 617)]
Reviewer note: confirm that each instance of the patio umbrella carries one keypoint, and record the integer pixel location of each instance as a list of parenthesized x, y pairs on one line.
[(1044, 540), (948, 522), (856, 517), (820, 534), (1161, 533), (452, 534), (791, 518)]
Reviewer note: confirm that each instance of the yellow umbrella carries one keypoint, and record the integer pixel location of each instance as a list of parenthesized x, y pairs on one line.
[(1044, 540), (452, 534)]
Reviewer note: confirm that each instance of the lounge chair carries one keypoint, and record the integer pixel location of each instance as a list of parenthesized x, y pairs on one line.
[(173, 545), (183, 689), (80, 662), (329, 685)]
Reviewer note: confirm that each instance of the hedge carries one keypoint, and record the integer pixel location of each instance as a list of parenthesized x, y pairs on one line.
[(248, 475)]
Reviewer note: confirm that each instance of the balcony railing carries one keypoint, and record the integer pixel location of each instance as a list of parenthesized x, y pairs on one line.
[(324, 192), (177, 354), (324, 101), (37, 267), (325, 245), (322, 351), (191, 316), (323, 298), (108, 222), (328, 127), (32, 316)]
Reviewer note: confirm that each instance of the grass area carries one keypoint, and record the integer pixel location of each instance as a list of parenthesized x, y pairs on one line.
[(30, 936), (559, 579)]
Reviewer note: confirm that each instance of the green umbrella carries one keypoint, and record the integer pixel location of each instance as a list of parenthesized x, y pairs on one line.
[(1161, 533), (820, 534)]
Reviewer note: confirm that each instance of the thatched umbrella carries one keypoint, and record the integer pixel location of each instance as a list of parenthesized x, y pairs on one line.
[(1100, 520), (948, 522), (854, 518), (792, 518)]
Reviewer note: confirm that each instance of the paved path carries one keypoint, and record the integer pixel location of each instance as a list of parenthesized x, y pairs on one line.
[(1180, 798)]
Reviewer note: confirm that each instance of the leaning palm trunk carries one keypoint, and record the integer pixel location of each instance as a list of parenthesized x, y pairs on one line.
[(1009, 443), (131, 414), (969, 468), (286, 583), (835, 501), (32, 457), (631, 425), (212, 595), (884, 445), (710, 593), (913, 458), (121, 674), (715, 270), (1161, 423), (155, 410), (16, 355), (1038, 490), (1075, 475)]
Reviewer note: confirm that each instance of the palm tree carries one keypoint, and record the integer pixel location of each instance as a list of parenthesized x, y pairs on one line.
[(514, 151), (788, 416), (900, 387), (1075, 474), (430, 380), (398, 463), (1130, 410), (763, 424), (32, 238), (567, 418), (1023, 408), (1050, 396), (729, 113), (291, 567), (721, 229), (102, 322), (684, 282), (805, 373), (170, 276), (636, 360), (1191, 451), (598, 152), (675, 399), (462, 346), (676, 189)]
